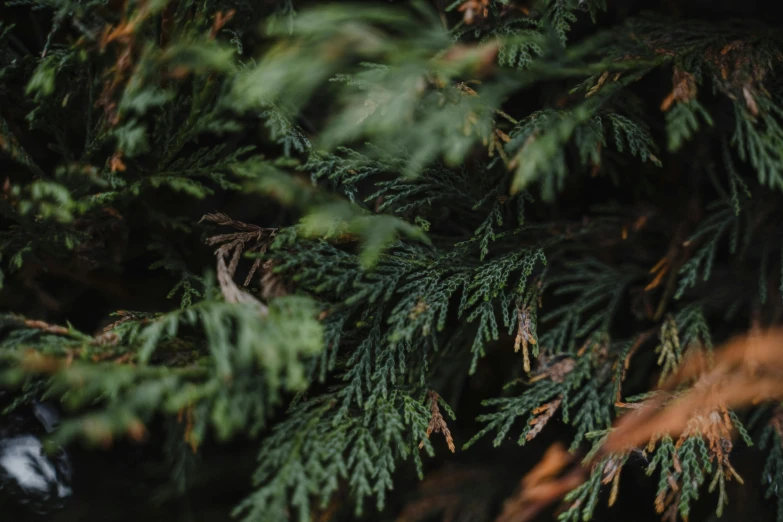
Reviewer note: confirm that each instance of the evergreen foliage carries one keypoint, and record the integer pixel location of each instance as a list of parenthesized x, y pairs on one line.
[(322, 228)]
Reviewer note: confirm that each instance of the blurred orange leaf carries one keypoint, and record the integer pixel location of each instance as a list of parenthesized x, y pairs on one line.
[(745, 371), (544, 485)]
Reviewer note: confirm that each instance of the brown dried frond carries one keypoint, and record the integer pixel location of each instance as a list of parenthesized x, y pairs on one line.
[(222, 219), (543, 413), (750, 100), (124, 317), (248, 238), (107, 339), (543, 485), (220, 20), (683, 90), (668, 500), (231, 292), (116, 164), (746, 370), (660, 269), (524, 335), (595, 88), (495, 143), (742, 71), (46, 327), (716, 428), (474, 9), (186, 414), (123, 35), (272, 284), (437, 422), (611, 474), (557, 371)]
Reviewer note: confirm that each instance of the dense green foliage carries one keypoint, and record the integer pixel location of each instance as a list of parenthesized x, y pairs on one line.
[(408, 203)]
